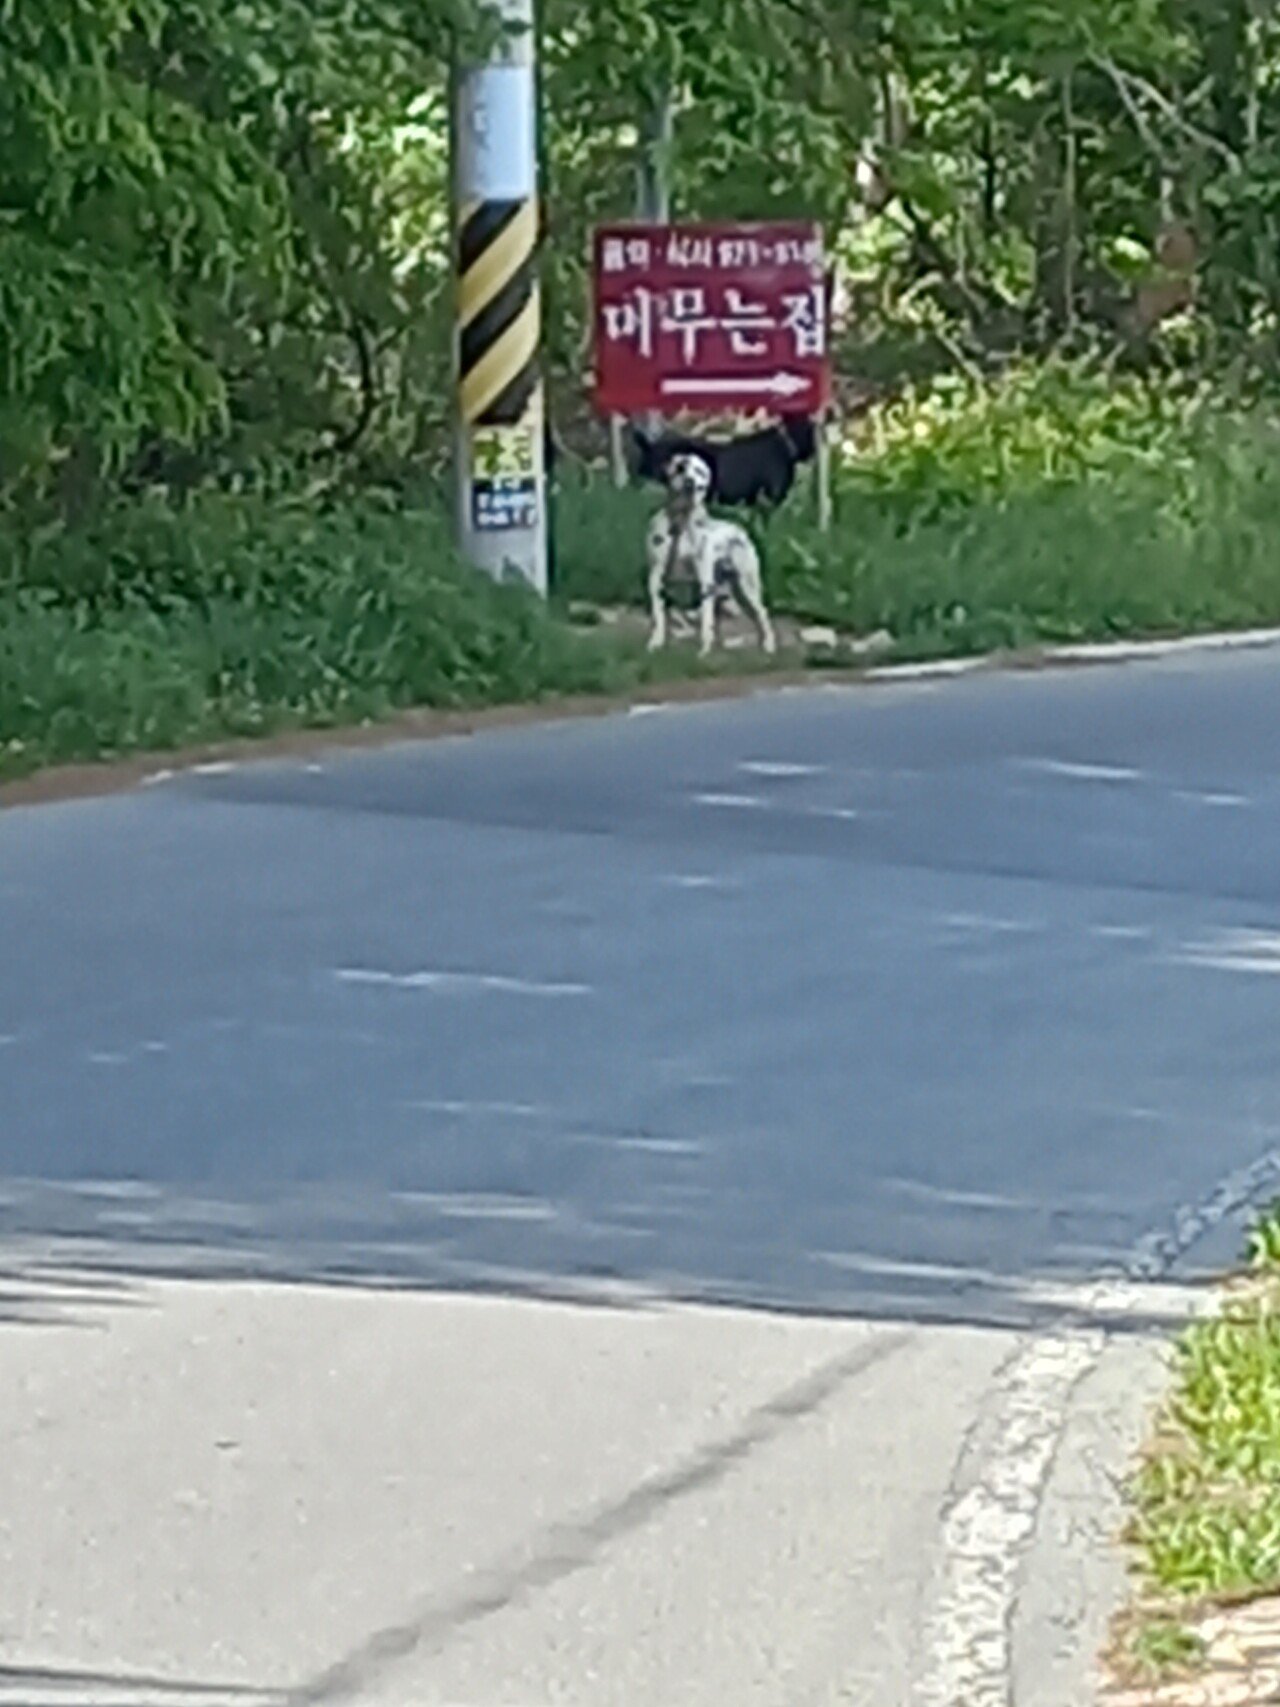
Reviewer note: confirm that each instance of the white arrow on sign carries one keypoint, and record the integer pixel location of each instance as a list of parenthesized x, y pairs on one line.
[(769, 385)]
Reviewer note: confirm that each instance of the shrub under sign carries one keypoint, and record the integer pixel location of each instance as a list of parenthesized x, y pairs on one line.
[(711, 317)]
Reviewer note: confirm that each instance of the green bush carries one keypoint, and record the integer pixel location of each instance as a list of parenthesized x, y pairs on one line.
[(235, 617), (1046, 511), (958, 442)]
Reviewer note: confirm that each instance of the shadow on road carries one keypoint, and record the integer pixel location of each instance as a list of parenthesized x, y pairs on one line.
[(74, 1248)]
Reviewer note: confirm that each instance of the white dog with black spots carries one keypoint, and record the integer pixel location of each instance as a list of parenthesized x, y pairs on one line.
[(687, 544)]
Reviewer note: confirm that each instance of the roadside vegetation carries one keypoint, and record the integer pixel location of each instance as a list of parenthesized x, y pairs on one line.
[(226, 323), (1205, 1524)]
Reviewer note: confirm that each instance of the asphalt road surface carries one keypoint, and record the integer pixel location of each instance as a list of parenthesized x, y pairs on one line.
[(670, 1208)]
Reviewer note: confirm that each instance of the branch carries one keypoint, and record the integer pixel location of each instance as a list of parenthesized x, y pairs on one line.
[(1134, 111), (933, 257), (348, 441), (1126, 82)]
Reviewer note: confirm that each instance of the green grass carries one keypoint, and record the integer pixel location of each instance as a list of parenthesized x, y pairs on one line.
[(155, 630), (1205, 1520), (1056, 506), (1159, 1647), (971, 553)]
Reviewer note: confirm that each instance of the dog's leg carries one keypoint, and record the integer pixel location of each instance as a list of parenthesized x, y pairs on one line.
[(707, 601), (658, 604), (749, 588), (659, 545)]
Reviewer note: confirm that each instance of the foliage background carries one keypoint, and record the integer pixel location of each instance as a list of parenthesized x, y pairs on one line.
[(224, 224), (226, 327)]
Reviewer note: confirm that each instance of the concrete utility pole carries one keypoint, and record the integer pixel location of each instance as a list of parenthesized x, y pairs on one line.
[(501, 479)]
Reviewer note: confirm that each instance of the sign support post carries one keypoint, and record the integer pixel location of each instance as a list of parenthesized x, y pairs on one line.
[(822, 471), (499, 457)]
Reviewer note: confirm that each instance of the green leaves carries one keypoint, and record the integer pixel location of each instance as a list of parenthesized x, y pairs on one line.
[(174, 179)]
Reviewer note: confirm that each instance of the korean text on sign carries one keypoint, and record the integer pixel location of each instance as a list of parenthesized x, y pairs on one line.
[(711, 316)]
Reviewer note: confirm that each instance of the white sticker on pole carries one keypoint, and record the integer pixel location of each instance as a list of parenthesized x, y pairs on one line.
[(497, 136)]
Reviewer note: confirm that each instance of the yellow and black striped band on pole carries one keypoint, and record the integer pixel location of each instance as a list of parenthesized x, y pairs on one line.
[(499, 311)]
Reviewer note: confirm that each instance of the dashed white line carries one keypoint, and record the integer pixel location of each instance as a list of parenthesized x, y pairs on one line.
[(460, 1207), (981, 922), (507, 1110), (1224, 802), (459, 983), (1081, 772), (779, 768), (1255, 952), (733, 802)]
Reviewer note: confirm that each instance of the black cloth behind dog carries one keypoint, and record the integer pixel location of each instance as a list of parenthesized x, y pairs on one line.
[(758, 468)]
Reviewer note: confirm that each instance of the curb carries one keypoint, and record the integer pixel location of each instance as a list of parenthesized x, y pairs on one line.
[(90, 780), (1095, 652)]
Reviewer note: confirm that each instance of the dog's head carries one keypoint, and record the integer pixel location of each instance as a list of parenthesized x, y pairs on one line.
[(689, 479)]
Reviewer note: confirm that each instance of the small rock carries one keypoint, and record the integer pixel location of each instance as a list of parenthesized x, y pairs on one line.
[(826, 638), (870, 645)]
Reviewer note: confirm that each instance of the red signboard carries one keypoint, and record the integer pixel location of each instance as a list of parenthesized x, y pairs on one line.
[(711, 317)]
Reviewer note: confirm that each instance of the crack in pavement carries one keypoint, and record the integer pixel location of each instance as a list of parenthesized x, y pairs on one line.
[(568, 1548)]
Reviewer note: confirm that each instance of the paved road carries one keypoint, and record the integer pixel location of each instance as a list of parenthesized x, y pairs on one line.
[(872, 1026)]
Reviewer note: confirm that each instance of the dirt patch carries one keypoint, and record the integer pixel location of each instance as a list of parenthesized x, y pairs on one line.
[(1240, 1667)]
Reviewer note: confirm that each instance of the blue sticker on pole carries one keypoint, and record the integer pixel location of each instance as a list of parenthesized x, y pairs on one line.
[(497, 138)]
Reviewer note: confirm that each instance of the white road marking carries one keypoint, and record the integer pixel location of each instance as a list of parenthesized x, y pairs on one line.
[(661, 1146), (980, 922), (694, 880), (1255, 952), (779, 768), (511, 1110), (927, 671), (218, 767), (960, 1199), (969, 1632), (460, 1207), (1121, 651), (733, 802), (1122, 933), (1227, 802), (459, 983), (1080, 772)]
